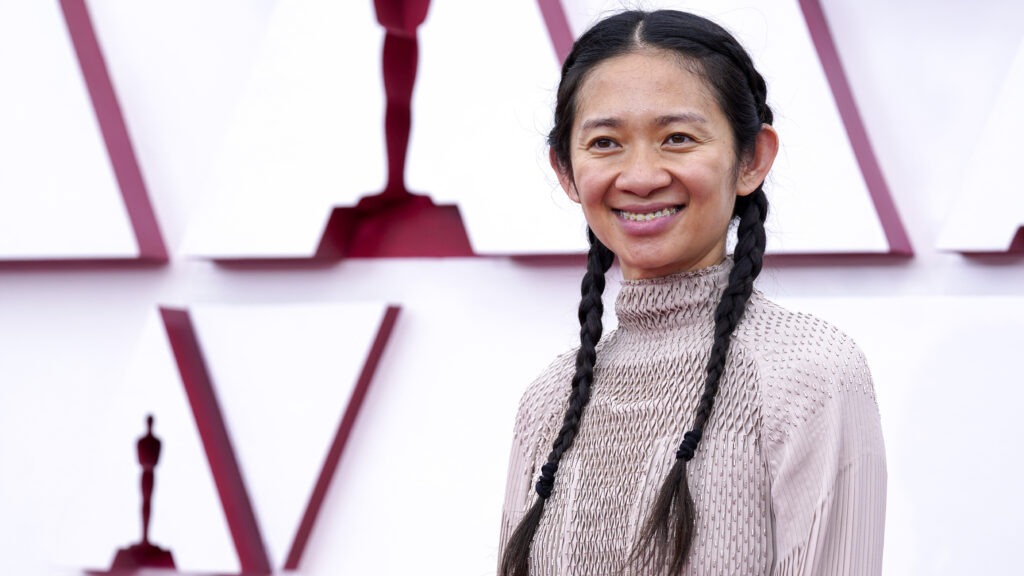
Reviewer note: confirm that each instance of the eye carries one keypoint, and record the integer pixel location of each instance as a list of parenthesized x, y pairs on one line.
[(603, 143), (678, 139)]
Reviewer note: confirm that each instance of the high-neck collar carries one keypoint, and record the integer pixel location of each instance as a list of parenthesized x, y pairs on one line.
[(672, 301)]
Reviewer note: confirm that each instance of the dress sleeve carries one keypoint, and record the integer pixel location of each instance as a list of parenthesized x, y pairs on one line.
[(829, 479), (539, 412), (519, 484)]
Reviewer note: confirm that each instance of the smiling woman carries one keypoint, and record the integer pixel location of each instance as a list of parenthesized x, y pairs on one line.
[(653, 164), (715, 433)]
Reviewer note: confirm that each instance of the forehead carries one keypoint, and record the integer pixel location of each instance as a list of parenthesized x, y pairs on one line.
[(641, 82)]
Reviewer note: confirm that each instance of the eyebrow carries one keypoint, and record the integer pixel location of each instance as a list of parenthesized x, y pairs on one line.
[(593, 123), (665, 120), (682, 118)]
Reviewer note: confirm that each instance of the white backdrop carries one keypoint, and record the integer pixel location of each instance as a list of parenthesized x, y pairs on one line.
[(84, 355)]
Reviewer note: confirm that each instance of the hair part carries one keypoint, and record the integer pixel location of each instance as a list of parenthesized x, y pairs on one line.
[(739, 90), (706, 48)]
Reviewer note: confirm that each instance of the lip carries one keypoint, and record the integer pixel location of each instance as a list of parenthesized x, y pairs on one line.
[(647, 208), (647, 227)]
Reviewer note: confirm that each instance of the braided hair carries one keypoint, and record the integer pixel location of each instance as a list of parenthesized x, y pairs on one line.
[(591, 311), (739, 90)]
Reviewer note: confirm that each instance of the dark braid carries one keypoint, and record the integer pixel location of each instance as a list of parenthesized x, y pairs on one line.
[(667, 536), (591, 310)]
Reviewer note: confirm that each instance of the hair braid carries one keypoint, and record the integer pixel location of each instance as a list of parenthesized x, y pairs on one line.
[(754, 79), (668, 534), (747, 260), (516, 561)]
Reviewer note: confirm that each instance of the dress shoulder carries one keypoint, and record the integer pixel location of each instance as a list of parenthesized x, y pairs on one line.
[(822, 439), (804, 363)]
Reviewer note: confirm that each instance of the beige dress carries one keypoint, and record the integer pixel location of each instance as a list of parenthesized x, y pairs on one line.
[(790, 475)]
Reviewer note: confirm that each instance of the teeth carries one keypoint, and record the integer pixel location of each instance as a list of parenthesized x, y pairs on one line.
[(649, 215)]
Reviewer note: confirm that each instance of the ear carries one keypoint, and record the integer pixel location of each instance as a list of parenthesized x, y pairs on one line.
[(756, 168), (564, 177)]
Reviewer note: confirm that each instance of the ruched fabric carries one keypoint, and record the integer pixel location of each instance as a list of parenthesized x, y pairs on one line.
[(788, 479)]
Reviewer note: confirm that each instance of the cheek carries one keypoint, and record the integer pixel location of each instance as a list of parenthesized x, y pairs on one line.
[(712, 204), (710, 189), (590, 186), (717, 213)]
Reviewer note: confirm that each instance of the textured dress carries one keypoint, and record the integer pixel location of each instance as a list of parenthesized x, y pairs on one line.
[(790, 475)]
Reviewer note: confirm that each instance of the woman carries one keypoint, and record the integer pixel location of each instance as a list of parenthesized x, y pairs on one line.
[(713, 432)]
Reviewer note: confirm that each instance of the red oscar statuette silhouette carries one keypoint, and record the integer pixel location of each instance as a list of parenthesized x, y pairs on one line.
[(145, 554)]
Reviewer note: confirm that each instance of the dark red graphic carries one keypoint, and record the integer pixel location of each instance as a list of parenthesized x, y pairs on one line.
[(355, 402), (396, 222), (202, 397), (115, 132), (145, 554), (899, 242), (558, 27), (1017, 244), (227, 475)]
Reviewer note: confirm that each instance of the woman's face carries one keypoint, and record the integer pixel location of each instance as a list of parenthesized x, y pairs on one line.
[(653, 165)]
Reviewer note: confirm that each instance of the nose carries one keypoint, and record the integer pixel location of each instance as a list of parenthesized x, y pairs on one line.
[(642, 172)]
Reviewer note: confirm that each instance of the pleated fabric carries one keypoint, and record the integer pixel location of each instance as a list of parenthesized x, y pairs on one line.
[(789, 478)]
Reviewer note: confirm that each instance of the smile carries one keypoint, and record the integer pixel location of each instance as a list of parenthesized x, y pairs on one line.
[(647, 216)]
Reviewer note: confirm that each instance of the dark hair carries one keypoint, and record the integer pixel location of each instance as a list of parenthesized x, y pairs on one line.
[(740, 92)]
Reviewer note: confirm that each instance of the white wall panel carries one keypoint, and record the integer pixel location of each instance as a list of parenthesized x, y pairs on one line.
[(307, 135), (59, 197), (986, 216), (180, 70), (284, 376), (481, 113)]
